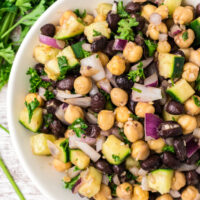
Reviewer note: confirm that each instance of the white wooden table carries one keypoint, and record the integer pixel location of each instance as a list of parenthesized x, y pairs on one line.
[(10, 158)]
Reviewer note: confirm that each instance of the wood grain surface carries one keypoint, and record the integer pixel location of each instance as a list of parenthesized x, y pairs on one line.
[(10, 158)]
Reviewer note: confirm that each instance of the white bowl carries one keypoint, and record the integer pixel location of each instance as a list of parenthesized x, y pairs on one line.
[(47, 180)]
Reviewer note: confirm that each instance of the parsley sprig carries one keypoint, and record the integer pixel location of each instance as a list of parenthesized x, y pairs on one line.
[(196, 101), (168, 148), (185, 35), (135, 75), (121, 10), (70, 185), (31, 108), (116, 158), (152, 46), (49, 95), (96, 33), (63, 65), (197, 83), (79, 14)]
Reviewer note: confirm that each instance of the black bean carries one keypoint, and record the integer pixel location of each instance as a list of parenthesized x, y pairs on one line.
[(132, 7), (92, 131), (44, 129), (193, 159), (170, 160), (52, 105), (180, 149), (57, 128), (141, 21), (113, 20), (48, 30), (139, 40), (66, 84), (198, 10), (151, 163), (131, 105), (174, 108), (109, 49), (158, 107), (39, 67), (118, 169), (192, 177), (123, 82), (104, 166), (98, 102), (99, 44), (180, 53), (153, 195), (169, 129)]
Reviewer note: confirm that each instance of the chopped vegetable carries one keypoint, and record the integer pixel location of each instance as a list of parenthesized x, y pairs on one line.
[(63, 65), (70, 185), (185, 36), (196, 101), (78, 126), (79, 14), (169, 148), (152, 46), (135, 75), (121, 10), (31, 107), (96, 33), (49, 95)]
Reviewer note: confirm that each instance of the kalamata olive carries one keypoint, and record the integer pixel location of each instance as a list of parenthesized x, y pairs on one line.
[(139, 40), (57, 128), (104, 166), (153, 195), (170, 160), (52, 105), (98, 102), (180, 53), (66, 84), (192, 177), (48, 30), (44, 129), (39, 67), (173, 44), (92, 131), (141, 21), (175, 108), (123, 82), (158, 107), (99, 44), (132, 7), (113, 20), (131, 105), (169, 129), (193, 159), (118, 169), (109, 49), (180, 149), (198, 10), (151, 163)]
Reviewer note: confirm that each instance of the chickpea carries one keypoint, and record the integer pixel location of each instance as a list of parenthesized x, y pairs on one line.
[(103, 58), (142, 108), (195, 57), (190, 107), (133, 130), (100, 18), (124, 191), (190, 72), (154, 31), (116, 65), (183, 15), (188, 123), (32, 96), (162, 11), (106, 119), (66, 16), (104, 193), (185, 42), (178, 180), (132, 52), (88, 19), (163, 47), (82, 85), (60, 166), (190, 193), (119, 97), (156, 145), (122, 114), (187, 53), (104, 8), (140, 150), (147, 11), (139, 193), (72, 113), (165, 197)]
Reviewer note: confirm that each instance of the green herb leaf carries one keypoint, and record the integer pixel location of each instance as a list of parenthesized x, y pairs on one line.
[(152, 46), (116, 158), (185, 35), (113, 188), (96, 33), (135, 75), (65, 146), (64, 67), (76, 169), (121, 10), (48, 118), (197, 83), (130, 176), (78, 126), (70, 185), (134, 117), (168, 148), (126, 141), (23, 5), (79, 14), (137, 90), (196, 101), (5, 129), (49, 95), (198, 163), (31, 107), (110, 178)]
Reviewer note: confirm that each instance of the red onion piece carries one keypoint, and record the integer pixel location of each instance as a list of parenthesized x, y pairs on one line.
[(60, 113), (52, 148), (169, 141), (163, 37), (73, 172), (151, 80), (191, 147), (134, 171), (105, 179), (196, 133), (111, 77), (63, 95), (116, 180), (115, 131), (88, 140), (198, 170), (155, 19), (114, 8), (174, 30), (186, 167), (145, 63), (105, 85), (91, 118), (144, 184), (82, 102), (41, 92), (151, 124), (145, 94), (86, 47), (119, 44), (175, 193), (94, 89), (59, 44), (100, 140), (77, 186)]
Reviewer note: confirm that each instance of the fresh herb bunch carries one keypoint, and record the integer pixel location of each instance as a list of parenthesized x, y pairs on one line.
[(17, 15)]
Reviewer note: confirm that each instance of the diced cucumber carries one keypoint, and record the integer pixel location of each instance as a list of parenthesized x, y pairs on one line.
[(169, 117), (170, 66), (36, 120), (63, 145), (195, 26), (160, 180), (78, 50), (181, 91), (52, 69), (79, 158), (172, 5), (91, 182), (39, 144), (114, 150), (71, 29)]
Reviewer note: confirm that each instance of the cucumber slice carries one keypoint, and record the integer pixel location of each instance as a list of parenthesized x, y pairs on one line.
[(78, 50), (79, 158), (181, 91), (172, 5), (39, 144), (170, 66), (36, 120), (160, 180), (195, 26), (169, 117), (114, 150)]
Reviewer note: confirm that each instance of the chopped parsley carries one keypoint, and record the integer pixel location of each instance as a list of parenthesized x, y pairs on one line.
[(49, 95), (76, 169), (134, 117), (135, 75), (70, 185), (173, 119), (96, 33), (78, 126), (185, 36), (79, 14), (48, 118), (126, 141), (63, 65), (116, 158), (113, 188), (197, 83), (198, 163), (137, 90), (86, 53), (65, 147), (128, 188), (31, 107), (109, 104), (121, 10), (168, 148), (152, 46), (196, 101), (110, 178), (130, 176)]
